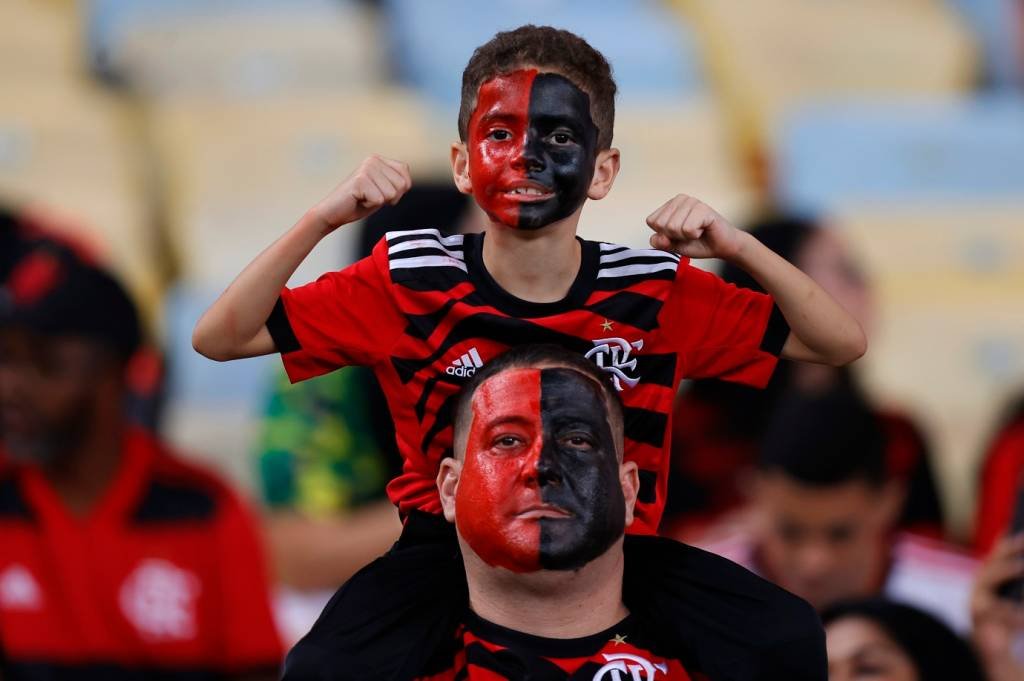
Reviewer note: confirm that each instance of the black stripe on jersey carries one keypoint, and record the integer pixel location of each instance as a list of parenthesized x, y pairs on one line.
[(486, 326), (640, 259), (775, 333), (630, 308), (421, 326), (424, 252), (512, 666), (657, 369), (428, 278), (281, 329), (648, 492), (12, 503), (646, 426), (616, 283), (172, 501), (443, 419)]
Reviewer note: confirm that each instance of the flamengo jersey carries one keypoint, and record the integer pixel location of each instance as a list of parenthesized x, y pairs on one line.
[(424, 312), (488, 652), (164, 578)]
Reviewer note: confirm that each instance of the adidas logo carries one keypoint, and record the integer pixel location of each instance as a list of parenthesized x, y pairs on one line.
[(465, 366)]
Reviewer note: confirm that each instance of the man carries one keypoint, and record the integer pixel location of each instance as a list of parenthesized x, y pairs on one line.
[(117, 560), (822, 517), (540, 498)]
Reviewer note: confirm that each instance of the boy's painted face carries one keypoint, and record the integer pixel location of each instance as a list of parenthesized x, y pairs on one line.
[(532, 148), (540, 485)]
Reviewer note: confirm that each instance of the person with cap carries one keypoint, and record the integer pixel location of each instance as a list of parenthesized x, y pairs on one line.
[(118, 560)]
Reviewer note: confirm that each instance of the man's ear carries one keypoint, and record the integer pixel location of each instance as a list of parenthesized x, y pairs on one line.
[(448, 485), (606, 169), (629, 479), (892, 495), (460, 167)]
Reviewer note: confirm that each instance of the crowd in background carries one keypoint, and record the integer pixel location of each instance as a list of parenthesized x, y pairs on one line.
[(161, 142)]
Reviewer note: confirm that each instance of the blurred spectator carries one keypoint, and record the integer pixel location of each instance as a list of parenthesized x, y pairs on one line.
[(1001, 482), (822, 517), (997, 612), (328, 449), (717, 425), (887, 641), (118, 560)]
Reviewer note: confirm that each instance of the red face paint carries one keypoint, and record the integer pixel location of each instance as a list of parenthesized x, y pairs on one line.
[(532, 146), (498, 500)]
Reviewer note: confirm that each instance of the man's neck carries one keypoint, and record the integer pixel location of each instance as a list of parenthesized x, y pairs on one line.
[(82, 475), (539, 266), (549, 603)]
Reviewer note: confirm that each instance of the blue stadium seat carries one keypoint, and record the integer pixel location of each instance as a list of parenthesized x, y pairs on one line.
[(923, 151), (994, 23), (652, 53)]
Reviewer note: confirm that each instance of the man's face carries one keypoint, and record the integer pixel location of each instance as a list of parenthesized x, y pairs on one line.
[(822, 543), (47, 392), (539, 487), (532, 148)]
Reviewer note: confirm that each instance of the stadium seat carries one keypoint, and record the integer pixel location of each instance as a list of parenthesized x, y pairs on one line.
[(950, 337), (651, 53), (667, 150), (924, 151), (240, 48), (72, 153), (237, 174), (766, 57)]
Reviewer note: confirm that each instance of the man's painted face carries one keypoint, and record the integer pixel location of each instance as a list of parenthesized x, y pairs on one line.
[(532, 147), (540, 486)]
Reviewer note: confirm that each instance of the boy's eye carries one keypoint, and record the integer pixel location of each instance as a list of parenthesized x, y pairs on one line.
[(500, 135), (561, 138)]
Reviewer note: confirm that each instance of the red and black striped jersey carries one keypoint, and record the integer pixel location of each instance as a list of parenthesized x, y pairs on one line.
[(424, 313), (164, 578), (484, 651)]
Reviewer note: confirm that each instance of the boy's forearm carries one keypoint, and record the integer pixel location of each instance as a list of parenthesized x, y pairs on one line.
[(821, 330), (234, 326)]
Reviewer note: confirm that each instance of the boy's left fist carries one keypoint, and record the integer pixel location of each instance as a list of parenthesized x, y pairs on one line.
[(691, 228)]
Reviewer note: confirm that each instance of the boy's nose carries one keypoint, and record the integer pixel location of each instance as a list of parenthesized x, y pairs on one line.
[(530, 154)]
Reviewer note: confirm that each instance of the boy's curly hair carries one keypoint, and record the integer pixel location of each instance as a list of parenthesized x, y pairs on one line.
[(548, 49)]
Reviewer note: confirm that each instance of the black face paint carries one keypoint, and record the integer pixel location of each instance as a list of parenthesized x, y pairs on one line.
[(560, 149), (578, 472)]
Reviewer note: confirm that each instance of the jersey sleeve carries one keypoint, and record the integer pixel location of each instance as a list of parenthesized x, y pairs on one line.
[(723, 331), (250, 638), (343, 318)]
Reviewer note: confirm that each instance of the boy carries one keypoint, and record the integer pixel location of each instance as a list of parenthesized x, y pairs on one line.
[(426, 311)]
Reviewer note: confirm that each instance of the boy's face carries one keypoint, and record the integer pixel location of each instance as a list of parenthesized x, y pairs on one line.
[(532, 148), (540, 486)]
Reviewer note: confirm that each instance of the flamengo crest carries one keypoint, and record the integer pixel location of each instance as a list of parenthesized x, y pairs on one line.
[(613, 355)]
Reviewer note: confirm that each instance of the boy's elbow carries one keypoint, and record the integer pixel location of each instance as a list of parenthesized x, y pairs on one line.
[(856, 346), (204, 345)]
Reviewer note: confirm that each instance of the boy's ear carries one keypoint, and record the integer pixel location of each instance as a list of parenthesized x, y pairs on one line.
[(606, 168), (629, 478), (448, 484), (460, 167)]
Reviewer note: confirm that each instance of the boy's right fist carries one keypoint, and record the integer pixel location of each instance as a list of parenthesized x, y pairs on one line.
[(377, 181)]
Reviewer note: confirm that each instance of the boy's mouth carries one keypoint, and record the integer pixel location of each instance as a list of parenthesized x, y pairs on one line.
[(528, 192)]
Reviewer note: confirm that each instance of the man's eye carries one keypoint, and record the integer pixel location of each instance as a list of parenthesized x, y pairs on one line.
[(507, 441), (500, 135), (579, 442)]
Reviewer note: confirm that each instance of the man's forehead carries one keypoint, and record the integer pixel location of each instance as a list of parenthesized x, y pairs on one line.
[(537, 388)]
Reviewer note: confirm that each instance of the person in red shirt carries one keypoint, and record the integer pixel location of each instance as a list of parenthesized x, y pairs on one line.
[(117, 559), (426, 311), (1001, 481)]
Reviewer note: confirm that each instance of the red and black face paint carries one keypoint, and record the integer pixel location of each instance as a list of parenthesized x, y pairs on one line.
[(540, 486), (532, 147)]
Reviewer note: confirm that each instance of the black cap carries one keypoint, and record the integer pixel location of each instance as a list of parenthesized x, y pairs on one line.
[(52, 292)]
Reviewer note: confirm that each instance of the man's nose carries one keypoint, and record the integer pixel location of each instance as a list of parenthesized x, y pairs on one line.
[(542, 469)]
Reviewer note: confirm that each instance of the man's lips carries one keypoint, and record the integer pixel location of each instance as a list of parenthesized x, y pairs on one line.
[(543, 511)]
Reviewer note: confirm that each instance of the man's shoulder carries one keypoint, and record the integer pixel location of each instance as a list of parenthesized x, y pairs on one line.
[(179, 489)]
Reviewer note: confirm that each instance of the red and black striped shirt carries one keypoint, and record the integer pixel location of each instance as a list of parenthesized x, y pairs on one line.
[(484, 651), (424, 313)]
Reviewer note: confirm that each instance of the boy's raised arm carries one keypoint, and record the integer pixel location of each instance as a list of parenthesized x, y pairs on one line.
[(235, 325), (820, 329)]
